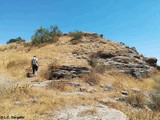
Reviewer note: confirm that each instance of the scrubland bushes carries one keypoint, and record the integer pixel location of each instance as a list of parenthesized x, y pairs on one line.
[(44, 35), (41, 36), (16, 40)]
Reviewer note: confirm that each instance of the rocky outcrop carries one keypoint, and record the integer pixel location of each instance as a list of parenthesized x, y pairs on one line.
[(128, 60), (68, 72), (99, 112), (151, 61)]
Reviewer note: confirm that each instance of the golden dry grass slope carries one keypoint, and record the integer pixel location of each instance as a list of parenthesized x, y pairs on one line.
[(33, 102)]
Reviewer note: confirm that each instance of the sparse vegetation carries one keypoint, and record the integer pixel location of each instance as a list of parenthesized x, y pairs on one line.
[(97, 66), (16, 40), (101, 68), (92, 78), (136, 100), (58, 85), (40, 101), (16, 99), (155, 96), (93, 62), (15, 67)]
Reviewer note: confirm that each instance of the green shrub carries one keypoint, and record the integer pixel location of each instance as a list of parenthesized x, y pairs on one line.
[(55, 31), (16, 40), (76, 37), (43, 35)]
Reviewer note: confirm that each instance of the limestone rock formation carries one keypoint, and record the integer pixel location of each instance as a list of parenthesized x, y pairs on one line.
[(128, 60), (151, 61), (111, 54), (68, 71)]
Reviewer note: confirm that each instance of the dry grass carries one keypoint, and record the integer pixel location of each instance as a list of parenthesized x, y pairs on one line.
[(136, 100), (33, 102), (121, 81), (92, 78), (60, 85), (28, 102), (136, 114)]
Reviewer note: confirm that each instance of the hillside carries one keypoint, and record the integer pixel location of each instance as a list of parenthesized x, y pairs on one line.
[(89, 76)]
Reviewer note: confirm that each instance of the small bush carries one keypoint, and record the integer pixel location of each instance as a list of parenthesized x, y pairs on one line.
[(93, 62), (92, 79), (136, 100), (100, 68), (77, 36), (16, 40)]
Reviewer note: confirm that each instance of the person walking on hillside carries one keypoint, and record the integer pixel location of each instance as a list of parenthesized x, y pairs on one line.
[(34, 64)]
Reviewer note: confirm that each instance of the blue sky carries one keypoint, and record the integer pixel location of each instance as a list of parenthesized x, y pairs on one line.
[(134, 22)]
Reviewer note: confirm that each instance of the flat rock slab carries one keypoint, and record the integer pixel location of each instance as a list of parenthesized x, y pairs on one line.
[(99, 112), (41, 84)]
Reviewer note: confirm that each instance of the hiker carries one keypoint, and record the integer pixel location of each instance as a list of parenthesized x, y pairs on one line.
[(34, 64)]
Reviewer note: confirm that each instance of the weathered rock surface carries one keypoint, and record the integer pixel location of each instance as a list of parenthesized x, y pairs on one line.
[(151, 61), (100, 112), (116, 55), (128, 60), (68, 71)]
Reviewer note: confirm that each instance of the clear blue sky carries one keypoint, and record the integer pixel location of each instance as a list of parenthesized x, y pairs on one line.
[(134, 22)]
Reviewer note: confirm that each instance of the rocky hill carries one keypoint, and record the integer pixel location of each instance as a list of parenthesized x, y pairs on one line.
[(123, 58), (86, 77)]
